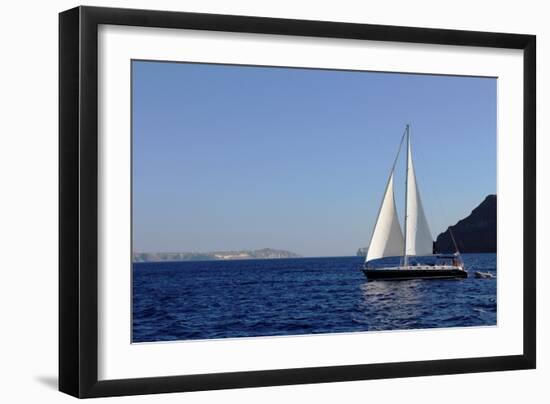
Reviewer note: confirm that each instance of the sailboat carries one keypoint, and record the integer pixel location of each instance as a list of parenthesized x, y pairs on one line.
[(388, 241)]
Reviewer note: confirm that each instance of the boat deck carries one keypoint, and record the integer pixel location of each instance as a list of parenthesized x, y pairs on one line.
[(415, 267)]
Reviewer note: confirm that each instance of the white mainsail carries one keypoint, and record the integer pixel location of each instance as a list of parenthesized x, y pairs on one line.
[(418, 236), (387, 238)]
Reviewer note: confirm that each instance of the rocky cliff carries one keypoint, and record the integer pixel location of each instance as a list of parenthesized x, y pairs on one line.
[(476, 233)]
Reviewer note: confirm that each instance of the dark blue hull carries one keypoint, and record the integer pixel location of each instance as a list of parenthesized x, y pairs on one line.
[(405, 274)]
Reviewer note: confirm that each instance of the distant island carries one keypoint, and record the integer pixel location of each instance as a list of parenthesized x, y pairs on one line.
[(362, 251), (476, 233), (264, 253)]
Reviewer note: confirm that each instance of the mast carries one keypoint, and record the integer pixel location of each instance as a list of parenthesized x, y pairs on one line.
[(405, 259)]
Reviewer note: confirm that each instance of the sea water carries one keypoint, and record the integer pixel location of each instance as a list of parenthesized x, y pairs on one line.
[(249, 298)]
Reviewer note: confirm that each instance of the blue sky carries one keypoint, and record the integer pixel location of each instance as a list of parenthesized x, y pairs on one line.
[(238, 157)]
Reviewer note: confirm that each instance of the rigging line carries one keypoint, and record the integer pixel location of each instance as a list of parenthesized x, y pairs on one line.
[(387, 183), (398, 151), (453, 238)]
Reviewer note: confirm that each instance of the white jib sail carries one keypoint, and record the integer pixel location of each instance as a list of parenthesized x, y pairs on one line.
[(387, 238), (419, 237)]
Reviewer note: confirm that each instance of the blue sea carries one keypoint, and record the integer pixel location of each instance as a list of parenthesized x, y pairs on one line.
[(227, 299)]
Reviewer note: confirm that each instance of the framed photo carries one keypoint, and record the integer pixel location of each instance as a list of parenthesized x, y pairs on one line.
[(250, 201)]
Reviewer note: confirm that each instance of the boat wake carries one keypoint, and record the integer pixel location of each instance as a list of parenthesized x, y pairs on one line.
[(484, 275)]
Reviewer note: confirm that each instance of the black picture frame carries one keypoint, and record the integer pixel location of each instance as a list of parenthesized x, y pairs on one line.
[(78, 201)]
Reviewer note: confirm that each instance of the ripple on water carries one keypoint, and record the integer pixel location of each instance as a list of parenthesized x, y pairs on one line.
[(228, 299)]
